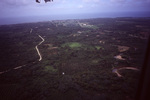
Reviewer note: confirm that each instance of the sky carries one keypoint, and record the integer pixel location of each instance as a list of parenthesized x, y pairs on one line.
[(24, 8)]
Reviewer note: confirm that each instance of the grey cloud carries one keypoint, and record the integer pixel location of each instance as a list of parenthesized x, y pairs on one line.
[(12, 3), (119, 1)]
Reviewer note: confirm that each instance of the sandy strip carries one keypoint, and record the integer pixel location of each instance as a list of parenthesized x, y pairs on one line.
[(19, 67), (31, 30), (3, 72), (119, 57), (32, 62), (116, 70), (36, 47)]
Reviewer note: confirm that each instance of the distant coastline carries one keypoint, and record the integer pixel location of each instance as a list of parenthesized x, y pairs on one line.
[(29, 19)]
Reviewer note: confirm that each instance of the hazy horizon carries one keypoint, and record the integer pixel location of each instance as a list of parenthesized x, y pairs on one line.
[(30, 19), (22, 11)]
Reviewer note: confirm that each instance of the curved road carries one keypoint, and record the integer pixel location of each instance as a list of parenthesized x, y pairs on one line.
[(116, 70), (36, 47)]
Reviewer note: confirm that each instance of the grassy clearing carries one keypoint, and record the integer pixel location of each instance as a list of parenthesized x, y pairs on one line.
[(99, 47), (95, 61), (94, 27), (72, 45), (50, 69)]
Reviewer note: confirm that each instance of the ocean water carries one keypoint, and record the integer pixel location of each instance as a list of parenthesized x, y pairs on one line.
[(29, 19)]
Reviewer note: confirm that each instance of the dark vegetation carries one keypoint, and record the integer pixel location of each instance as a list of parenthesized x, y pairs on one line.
[(78, 57)]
